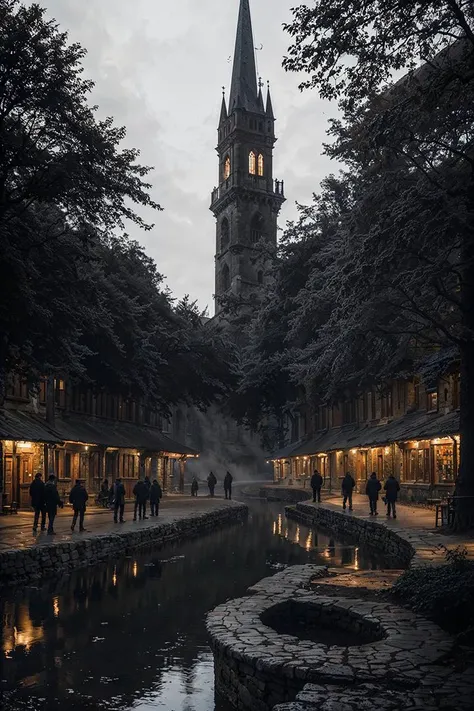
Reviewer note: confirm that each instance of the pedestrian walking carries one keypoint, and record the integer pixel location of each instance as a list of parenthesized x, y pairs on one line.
[(140, 493), (78, 498), (147, 483), (228, 479), (103, 498), (316, 484), (51, 501), (211, 482), (155, 496), (392, 487), (194, 486), (348, 486), (37, 501), (119, 500), (372, 490)]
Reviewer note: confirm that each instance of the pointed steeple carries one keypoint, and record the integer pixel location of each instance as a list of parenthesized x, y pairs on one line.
[(223, 116), (269, 109), (260, 103), (243, 92)]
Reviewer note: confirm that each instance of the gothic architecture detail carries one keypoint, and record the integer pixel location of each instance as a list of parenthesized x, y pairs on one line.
[(247, 200)]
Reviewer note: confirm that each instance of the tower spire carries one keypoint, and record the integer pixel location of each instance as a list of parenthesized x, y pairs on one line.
[(223, 116), (269, 109), (243, 92)]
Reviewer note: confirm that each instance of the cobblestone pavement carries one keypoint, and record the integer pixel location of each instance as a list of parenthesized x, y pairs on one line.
[(16, 530), (401, 668)]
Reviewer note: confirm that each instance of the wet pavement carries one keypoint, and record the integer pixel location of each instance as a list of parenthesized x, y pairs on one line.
[(131, 633)]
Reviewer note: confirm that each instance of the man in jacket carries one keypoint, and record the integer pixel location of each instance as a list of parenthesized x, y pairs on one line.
[(392, 487), (155, 496), (140, 493), (51, 501), (316, 484), (228, 479), (119, 500), (348, 486), (37, 502), (78, 498), (211, 482), (372, 490)]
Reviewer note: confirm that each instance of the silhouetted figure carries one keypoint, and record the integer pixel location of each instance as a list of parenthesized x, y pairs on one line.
[(37, 501), (51, 501), (316, 484), (119, 500), (140, 492), (147, 483), (155, 496), (194, 486), (372, 490), (104, 493), (348, 486), (392, 487), (211, 482), (228, 479), (78, 498)]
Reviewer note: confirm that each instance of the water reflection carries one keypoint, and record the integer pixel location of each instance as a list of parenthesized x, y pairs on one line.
[(131, 633)]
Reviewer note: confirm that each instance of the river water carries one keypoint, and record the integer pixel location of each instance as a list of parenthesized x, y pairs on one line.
[(131, 634)]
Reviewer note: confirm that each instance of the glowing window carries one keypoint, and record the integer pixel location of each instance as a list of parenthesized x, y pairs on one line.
[(260, 164), (226, 168), (252, 163)]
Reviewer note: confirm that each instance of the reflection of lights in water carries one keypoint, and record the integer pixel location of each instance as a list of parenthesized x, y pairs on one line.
[(309, 540), (297, 535), (279, 524), (114, 577), (327, 553), (286, 533), (274, 528), (356, 559), (135, 568), (56, 606)]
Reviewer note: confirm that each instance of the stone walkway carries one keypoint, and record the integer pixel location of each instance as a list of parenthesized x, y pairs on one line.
[(16, 530)]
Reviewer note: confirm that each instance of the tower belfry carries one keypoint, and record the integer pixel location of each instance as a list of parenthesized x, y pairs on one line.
[(247, 200)]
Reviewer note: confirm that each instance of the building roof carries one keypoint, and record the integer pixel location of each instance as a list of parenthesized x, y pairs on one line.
[(243, 92), (286, 451), (26, 427), (118, 434), (416, 425)]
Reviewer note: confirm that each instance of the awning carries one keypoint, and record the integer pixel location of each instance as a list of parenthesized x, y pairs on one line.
[(124, 435), (285, 451), (27, 427)]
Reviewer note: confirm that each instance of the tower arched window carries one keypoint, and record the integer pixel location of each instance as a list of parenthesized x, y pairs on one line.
[(257, 228), (226, 167), (252, 163), (260, 164), (225, 233), (225, 278)]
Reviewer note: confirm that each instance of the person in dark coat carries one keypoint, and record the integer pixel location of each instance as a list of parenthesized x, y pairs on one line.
[(78, 498), (37, 501), (194, 486), (147, 483), (348, 486), (155, 496), (211, 482), (372, 490), (392, 487), (51, 501), (228, 479), (104, 493), (119, 500), (316, 484), (140, 492)]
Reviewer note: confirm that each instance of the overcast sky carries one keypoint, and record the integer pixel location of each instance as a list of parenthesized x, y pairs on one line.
[(159, 66)]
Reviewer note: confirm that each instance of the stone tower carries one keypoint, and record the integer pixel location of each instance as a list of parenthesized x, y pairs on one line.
[(247, 200)]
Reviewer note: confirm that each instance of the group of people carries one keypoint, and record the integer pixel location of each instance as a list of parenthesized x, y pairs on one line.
[(372, 490), (46, 501), (144, 491), (212, 483)]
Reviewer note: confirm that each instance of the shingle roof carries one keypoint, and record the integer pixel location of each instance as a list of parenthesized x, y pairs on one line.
[(24, 426)]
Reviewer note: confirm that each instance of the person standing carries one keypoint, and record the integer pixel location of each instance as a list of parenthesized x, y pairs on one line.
[(155, 496), (348, 486), (228, 479), (51, 501), (316, 484), (37, 501), (78, 498), (104, 493), (140, 493), (119, 500), (372, 490), (211, 482), (194, 486), (392, 487)]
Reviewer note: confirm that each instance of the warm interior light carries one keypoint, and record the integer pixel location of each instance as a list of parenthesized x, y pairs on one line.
[(24, 445)]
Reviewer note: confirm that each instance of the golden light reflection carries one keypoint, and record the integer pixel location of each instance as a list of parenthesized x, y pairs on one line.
[(274, 528), (56, 606), (327, 553), (309, 541), (356, 559), (114, 577), (135, 568), (297, 534), (279, 524)]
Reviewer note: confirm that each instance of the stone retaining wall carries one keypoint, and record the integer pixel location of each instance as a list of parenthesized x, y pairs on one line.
[(285, 494), (372, 534), (23, 566)]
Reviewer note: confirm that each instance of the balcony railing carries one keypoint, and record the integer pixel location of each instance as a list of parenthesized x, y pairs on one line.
[(278, 186)]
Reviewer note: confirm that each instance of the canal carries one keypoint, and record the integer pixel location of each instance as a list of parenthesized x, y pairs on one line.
[(131, 634)]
